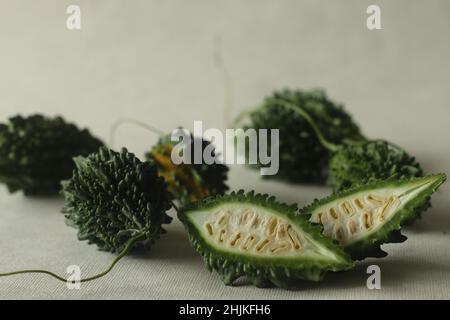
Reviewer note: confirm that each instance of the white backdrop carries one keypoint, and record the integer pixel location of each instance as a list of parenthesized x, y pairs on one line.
[(155, 61)]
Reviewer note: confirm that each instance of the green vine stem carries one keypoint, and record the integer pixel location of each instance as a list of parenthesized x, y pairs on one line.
[(118, 123), (126, 249), (290, 106)]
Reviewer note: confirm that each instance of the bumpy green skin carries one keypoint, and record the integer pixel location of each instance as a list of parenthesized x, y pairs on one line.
[(360, 162), (36, 152), (263, 272), (390, 231), (207, 180), (302, 158), (113, 197)]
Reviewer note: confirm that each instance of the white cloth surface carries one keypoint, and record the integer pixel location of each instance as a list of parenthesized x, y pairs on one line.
[(154, 61)]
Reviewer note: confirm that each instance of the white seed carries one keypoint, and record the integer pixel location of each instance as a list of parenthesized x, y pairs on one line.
[(347, 208), (223, 219), (254, 223), (246, 216), (375, 200), (248, 242), (334, 213), (294, 239), (358, 203), (352, 227), (279, 247), (339, 233), (235, 238), (386, 206), (271, 226), (282, 231), (262, 245), (221, 235), (367, 220), (209, 228)]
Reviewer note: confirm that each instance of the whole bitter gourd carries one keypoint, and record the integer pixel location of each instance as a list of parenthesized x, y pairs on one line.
[(192, 181), (302, 158), (353, 162), (36, 152), (113, 197), (360, 162), (364, 217), (254, 236)]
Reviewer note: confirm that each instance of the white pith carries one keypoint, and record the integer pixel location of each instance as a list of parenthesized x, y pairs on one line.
[(354, 217), (257, 231)]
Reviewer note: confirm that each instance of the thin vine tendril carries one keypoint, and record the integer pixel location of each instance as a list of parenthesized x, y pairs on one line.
[(126, 249), (118, 123)]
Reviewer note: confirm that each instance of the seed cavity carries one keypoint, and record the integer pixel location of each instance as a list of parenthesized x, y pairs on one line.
[(251, 231), (386, 207), (319, 217), (339, 234), (235, 239), (352, 228), (262, 245), (248, 242), (221, 235), (347, 208), (375, 200), (279, 247), (334, 213), (271, 226), (209, 228), (358, 203), (367, 219), (255, 221), (282, 231), (223, 219), (294, 239), (350, 217), (246, 216)]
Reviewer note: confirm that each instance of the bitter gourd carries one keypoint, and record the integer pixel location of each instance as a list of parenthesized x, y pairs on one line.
[(354, 162), (113, 197), (254, 236), (188, 182), (359, 162), (364, 217), (302, 158), (36, 152)]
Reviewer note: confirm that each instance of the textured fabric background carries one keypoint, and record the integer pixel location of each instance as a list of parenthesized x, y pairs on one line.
[(157, 61)]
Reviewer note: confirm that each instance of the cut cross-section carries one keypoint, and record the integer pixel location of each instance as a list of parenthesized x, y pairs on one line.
[(363, 218), (255, 236)]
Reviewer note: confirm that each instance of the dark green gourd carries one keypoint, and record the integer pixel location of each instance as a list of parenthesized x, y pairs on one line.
[(188, 182), (253, 236), (113, 197), (361, 161), (302, 158), (116, 202), (36, 152), (364, 217)]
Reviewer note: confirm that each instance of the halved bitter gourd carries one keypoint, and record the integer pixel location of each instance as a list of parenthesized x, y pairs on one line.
[(364, 217), (252, 235)]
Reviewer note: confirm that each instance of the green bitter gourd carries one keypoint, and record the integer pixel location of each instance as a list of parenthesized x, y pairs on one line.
[(113, 197), (364, 217), (353, 162), (36, 152), (254, 236), (116, 201), (302, 158)]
